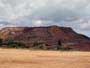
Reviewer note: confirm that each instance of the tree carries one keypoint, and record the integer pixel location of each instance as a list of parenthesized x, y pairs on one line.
[(59, 46), (1, 42)]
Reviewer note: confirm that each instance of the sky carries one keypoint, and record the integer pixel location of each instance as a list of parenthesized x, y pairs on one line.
[(68, 13)]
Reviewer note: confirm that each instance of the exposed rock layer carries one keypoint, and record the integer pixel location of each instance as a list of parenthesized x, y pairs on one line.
[(50, 36)]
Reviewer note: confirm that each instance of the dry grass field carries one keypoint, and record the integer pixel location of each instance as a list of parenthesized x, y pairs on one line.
[(20, 58)]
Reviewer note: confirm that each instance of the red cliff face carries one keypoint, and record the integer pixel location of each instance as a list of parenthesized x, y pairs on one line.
[(48, 35)]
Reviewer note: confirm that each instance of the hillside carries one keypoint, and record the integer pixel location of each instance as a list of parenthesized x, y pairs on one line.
[(49, 36)]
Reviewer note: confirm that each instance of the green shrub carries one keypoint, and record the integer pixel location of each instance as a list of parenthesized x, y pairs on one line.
[(39, 45), (14, 44)]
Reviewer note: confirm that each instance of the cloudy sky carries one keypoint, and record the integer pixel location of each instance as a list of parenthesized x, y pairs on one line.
[(73, 13)]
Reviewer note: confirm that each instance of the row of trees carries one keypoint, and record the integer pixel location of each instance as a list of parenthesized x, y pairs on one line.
[(11, 44), (15, 44), (37, 44)]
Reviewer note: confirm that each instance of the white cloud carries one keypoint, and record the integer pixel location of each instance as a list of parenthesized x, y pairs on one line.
[(71, 13), (37, 22), (10, 9), (85, 24)]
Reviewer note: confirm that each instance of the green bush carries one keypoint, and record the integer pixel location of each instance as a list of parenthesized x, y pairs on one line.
[(14, 44), (39, 45)]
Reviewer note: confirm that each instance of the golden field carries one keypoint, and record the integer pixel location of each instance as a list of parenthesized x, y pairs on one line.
[(22, 58)]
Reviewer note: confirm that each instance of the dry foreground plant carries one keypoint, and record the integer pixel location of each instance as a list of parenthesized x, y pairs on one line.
[(21, 58)]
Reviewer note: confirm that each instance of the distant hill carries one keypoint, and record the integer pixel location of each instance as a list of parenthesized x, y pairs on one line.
[(50, 37)]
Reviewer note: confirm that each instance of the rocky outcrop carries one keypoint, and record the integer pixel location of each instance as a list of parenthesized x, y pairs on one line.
[(51, 36)]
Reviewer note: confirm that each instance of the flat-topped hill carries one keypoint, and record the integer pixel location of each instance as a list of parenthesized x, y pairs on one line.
[(50, 36)]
